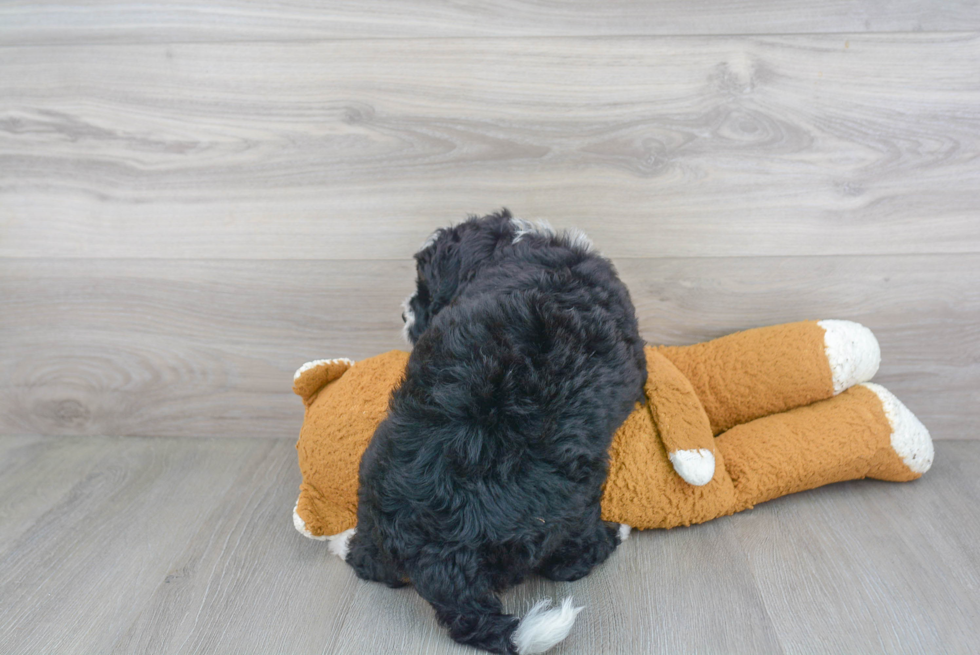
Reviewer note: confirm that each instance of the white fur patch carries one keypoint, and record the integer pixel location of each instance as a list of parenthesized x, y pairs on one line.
[(542, 628), (300, 525), (910, 439), (428, 242), (624, 532), (339, 544), (696, 466), (319, 362), (579, 240), (852, 352), (522, 228), (575, 238), (409, 317)]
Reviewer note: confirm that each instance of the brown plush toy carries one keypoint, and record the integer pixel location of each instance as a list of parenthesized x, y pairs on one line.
[(728, 423)]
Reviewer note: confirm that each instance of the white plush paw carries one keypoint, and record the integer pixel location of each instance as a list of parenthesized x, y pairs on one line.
[(852, 352), (337, 543), (696, 466), (910, 439), (542, 628), (300, 525), (624, 532), (320, 362)]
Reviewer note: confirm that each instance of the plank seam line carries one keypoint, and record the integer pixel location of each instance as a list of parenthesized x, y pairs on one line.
[(513, 37)]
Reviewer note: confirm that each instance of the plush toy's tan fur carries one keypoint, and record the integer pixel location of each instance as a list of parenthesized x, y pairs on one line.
[(727, 424)]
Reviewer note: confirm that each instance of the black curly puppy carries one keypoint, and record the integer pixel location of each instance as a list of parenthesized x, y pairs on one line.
[(491, 461)]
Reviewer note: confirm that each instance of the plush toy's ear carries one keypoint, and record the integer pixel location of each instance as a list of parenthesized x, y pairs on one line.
[(313, 376), (680, 420)]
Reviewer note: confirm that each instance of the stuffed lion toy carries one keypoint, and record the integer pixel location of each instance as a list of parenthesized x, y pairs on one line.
[(726, 424)]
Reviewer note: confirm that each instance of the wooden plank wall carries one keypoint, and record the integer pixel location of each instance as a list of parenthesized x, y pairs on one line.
[(194, 200)]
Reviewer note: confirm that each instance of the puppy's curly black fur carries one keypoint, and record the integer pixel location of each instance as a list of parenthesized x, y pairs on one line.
[(490, 464)]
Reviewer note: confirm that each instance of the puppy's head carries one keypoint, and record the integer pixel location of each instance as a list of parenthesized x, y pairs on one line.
[(447, 261)]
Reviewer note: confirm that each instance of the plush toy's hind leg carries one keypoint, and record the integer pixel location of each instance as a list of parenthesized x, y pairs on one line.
[(863, 432), (909, 438), (747, 375)]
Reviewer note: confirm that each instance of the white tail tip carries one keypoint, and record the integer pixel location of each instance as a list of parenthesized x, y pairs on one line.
[(544, 626)]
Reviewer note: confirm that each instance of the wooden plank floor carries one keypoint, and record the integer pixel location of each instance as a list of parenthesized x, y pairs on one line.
[(142, 545)]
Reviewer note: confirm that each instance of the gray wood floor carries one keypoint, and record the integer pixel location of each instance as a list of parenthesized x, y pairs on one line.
[(168, 545)]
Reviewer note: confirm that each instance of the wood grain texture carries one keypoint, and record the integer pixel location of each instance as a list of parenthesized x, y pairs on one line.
[(186, 546), (242, 583), (208, 348), (699, 146), (48, 22), (182, 348), (35, 473), (905, 594), (74, 581)]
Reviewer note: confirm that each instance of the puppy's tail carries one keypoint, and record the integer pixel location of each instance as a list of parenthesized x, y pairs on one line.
[(538, 632), (474, 615), (544, 626)]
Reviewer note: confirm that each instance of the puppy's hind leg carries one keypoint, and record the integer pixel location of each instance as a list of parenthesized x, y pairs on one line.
[(369, 561), (578, 555)]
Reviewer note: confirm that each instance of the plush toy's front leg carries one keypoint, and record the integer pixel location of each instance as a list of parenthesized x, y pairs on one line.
[(863, 432), (680, 420), (747, 375)]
